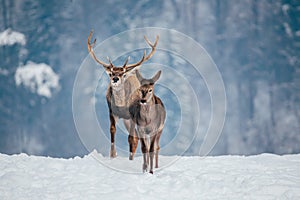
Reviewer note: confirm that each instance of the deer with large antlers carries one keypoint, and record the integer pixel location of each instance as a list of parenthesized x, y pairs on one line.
[(148, 115), (123, 82)]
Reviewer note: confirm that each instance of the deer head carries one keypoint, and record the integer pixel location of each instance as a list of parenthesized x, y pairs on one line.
[(118, 75), (146, 91)]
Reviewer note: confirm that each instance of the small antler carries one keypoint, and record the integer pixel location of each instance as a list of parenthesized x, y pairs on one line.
[(110, 62), (144, 58), (126, 61), (90, 48)]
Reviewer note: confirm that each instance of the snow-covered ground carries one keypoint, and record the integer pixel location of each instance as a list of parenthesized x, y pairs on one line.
[(263, 176)]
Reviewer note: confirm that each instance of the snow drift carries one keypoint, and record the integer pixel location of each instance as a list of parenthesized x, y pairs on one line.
[(264, 176)]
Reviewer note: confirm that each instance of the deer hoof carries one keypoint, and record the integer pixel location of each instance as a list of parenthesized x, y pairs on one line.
[(131, 156), (113, 153), (151, 171), (145, 168)]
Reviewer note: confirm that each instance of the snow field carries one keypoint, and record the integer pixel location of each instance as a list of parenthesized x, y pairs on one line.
[(263, 176)]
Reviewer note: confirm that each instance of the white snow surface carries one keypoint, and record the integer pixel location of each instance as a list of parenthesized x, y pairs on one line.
[(38, 78), (263, 176), (10, 37)]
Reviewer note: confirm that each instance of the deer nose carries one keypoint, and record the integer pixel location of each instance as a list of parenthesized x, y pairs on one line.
[(143, 101), (115, 79)]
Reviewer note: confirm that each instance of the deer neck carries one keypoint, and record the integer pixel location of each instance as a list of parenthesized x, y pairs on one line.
[(146, 109), (119, 96)]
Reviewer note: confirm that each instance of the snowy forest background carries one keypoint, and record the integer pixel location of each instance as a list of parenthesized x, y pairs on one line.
[(255, 44)]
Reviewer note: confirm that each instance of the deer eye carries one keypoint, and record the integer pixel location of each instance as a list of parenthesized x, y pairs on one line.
[(150, 90), (124, 75), (110, 74)]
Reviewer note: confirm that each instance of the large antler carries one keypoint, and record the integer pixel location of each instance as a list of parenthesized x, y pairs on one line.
[(127, 67), (90, 48), (144, 58)]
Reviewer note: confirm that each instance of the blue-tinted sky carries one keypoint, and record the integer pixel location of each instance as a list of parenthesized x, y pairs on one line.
[(255, 45)]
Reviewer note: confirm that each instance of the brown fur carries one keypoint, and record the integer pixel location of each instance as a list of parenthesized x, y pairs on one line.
[(118, 104), (148, 114), (123, 82)]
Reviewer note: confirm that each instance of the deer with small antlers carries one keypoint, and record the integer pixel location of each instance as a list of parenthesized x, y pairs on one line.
[(148, 115), (123, 82)]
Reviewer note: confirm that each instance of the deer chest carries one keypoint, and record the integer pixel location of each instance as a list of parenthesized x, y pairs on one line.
[(120, 111)]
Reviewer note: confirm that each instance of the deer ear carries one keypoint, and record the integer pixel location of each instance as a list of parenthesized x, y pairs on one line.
[(139, 76), (156, 76)]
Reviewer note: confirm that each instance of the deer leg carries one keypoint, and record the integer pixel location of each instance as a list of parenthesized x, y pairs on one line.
[(145, 153), (157, 148), (151, 162), (147, 146), (113, 152), (151, 150), (132, 137), (133, 143)]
